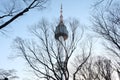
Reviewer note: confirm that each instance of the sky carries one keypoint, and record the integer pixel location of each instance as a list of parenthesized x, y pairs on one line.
[(79, 9)]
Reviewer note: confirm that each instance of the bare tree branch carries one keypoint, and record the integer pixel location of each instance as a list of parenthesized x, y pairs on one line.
[(33, 4), (43, 54)]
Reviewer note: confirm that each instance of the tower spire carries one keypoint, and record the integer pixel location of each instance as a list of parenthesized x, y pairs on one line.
[(61, 16)]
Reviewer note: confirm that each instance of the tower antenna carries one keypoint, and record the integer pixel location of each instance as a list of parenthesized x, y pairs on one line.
[(61, 16)]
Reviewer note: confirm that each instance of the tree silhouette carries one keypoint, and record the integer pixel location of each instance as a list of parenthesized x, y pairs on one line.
[(106, 24), (5, 74), (12, 10), (43, 55)]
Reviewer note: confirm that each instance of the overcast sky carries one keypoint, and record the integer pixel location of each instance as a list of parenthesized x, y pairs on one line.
[(79, 9)]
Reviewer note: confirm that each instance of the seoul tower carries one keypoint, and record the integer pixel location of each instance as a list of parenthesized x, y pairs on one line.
[(61, 35)]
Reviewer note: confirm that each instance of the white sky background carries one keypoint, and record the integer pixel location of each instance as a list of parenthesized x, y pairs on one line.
[(79, 9)]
